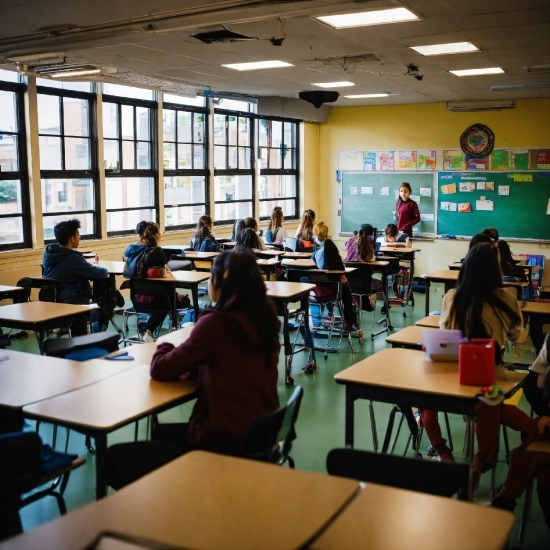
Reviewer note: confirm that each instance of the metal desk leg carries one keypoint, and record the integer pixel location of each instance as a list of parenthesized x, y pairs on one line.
[(350, 403), (101, 449), (195, 295), (427, 297)]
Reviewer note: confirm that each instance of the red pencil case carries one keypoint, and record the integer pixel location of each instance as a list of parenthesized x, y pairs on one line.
[(476, 362)]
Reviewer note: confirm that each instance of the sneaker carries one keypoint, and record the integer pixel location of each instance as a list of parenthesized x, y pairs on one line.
[(445, 454), (148, 338)]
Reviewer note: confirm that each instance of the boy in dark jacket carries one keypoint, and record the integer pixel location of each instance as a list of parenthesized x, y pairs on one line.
[(63, 262)]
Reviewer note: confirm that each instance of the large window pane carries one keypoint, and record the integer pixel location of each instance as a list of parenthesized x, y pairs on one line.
[(62, 194), (8, 118), (233, 131), (11, 230), (10, 197), (110, 120), (143, 155), (128, 155), (76, 116), (77, 154), (110, 155), (277, 186), (127, 122), (198, 101), (169, 156), (288, 206), (128, 219), (219, 129), (8, 153), (59, 84), (232, 188), (233, 210), (183, 215), (244, 131), (50, 153), (198, 127), (184, 155), (87, 227), (219, 157), (184, 190), (48, 114), (169, 125), (184, 127), (128, 91), (198, 157), (130, 192), (142, 123), (9, 76)]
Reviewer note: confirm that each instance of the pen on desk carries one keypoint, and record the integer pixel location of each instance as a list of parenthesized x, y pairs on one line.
[(4, 358)]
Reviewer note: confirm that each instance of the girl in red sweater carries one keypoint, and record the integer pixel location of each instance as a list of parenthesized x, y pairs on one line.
[(406, 210)]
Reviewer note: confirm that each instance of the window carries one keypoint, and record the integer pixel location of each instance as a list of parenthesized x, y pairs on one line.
[(68, 165), (278, 185), (130, 160), (233, 167), (14, 204), (185, 165)]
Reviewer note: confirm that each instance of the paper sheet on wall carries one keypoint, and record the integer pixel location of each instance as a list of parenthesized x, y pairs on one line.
[(449, 189), (353, 190), (416, 198), (367, 190), (384, 190), (464, 207), (406, 160), (387, 161), (485, 205), (480, 185), (503, 189), (369, 160), (489, 186), (426, 159), (427, 217), (548, 208), (350, 160), (425, 192), (467, 186)]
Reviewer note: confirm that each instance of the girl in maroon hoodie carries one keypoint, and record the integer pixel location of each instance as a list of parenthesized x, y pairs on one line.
[(406, 210), (232, 353)]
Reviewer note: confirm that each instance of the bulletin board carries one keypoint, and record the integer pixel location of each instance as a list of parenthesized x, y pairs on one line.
[(516, 203), (369, 197)]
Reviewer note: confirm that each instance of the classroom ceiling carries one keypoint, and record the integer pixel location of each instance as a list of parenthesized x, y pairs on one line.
[(151, 40)]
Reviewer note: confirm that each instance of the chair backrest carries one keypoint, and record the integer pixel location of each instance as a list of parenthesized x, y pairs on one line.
[(155, 289), (287, 432), (48, 288), (60, 347), (360, 280), (179, 263), (291, 244), (436, 478), (393, 264), (169, 252)]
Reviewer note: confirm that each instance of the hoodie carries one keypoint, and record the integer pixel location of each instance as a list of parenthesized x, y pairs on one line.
[(235, 386), (73, 273), (135, 256)]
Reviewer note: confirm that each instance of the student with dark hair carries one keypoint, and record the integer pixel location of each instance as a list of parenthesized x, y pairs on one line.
[(478, 238), (508, 264), (492, 233), (406, 210), (251, 223), (361, 248), (390, 233), (237, 377), (275, 231), (140, 227), (247, 239), (328, 257), (203, 240), (63, 262), (238, 226)]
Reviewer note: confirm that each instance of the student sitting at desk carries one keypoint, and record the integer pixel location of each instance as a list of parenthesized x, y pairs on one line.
[(203, 240), (247, 239), (492, 233), (328, 257), (236, 377), (251, 223), (360, 248), (276, 233), (508, 264), (304, 233), (481, 308), (63, 262)]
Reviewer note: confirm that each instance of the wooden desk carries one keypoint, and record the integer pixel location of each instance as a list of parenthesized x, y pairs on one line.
[(379, 518), (268, 254), (431, 321), (407, 255), (8, 291), (448, 277), (409, 337), (42, 316), (28, 378), (100, 408), (297, 255), (535, 308), (403, 376), (298, 262), (284, 293), (205, 256), (268, 265), (206, 501), (114, 268)]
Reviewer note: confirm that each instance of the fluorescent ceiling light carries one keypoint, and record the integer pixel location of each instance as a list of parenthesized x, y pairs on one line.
[(71, 74), (361, 96), (342, 84), (519, 86), (536, 68), (255, 65), (441, 49), (475, 106), (477, 72), (362, 19)]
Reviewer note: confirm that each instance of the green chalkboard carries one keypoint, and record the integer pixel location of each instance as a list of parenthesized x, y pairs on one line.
[(522, 214), (359, 206)]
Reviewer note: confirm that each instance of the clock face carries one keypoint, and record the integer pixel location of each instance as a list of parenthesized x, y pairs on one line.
[(477, 140)]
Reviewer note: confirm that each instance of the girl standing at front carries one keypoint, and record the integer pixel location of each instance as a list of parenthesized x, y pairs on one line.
[(406, 210)]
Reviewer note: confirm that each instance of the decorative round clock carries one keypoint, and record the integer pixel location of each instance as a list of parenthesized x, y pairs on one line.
[(477, 141)]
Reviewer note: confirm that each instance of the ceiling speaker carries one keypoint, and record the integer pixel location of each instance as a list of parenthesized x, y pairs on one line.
[(318, 98)]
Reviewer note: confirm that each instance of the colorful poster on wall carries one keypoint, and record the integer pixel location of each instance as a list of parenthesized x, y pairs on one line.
[(473, 163), (426, 159), (406, 160), (387, 160), (369, 160), (350, 160), (543, 159), (464, 207), (500, 159), (453, 160), (520, 159)]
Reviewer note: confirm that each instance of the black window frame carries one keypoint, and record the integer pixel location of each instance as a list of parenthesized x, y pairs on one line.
[(151, 172), (282, 171), (22, 174), (92, 173), (189, 172), (236, 171)]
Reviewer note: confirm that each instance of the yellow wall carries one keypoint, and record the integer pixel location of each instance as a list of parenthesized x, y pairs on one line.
[(423, 126)]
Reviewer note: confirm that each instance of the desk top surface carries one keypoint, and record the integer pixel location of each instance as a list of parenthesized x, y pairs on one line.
[(443, 274), (6, 288), (409, 335), (284, 289), (398, 249), (113, 401), (535, 307), (28, 378), (380, 518), (297, 255), (113, 267), (268, 261), (192, 255), (206, 501), (431, 321), (406, 369), (36, 312), (298, 262), (183, 277)]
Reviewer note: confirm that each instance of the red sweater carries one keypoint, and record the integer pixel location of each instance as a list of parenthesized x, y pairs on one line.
[(235, 388), (407, 216)]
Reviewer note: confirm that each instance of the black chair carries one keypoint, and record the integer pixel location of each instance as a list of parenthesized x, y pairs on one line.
[(49, 289), (62, 347), (435, 478), (270, 437), (179, 262)]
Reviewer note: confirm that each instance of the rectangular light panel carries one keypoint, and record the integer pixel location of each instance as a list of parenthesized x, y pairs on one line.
[(256, 65), (478, 72), (442, 49)]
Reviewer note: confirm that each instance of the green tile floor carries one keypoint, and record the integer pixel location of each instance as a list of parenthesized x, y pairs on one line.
[(320, 426)]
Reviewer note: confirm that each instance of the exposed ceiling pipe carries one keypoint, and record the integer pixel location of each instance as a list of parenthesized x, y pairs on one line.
[(120, 32)]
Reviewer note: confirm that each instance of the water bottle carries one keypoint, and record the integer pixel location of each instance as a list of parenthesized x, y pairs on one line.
[(408, 243)]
